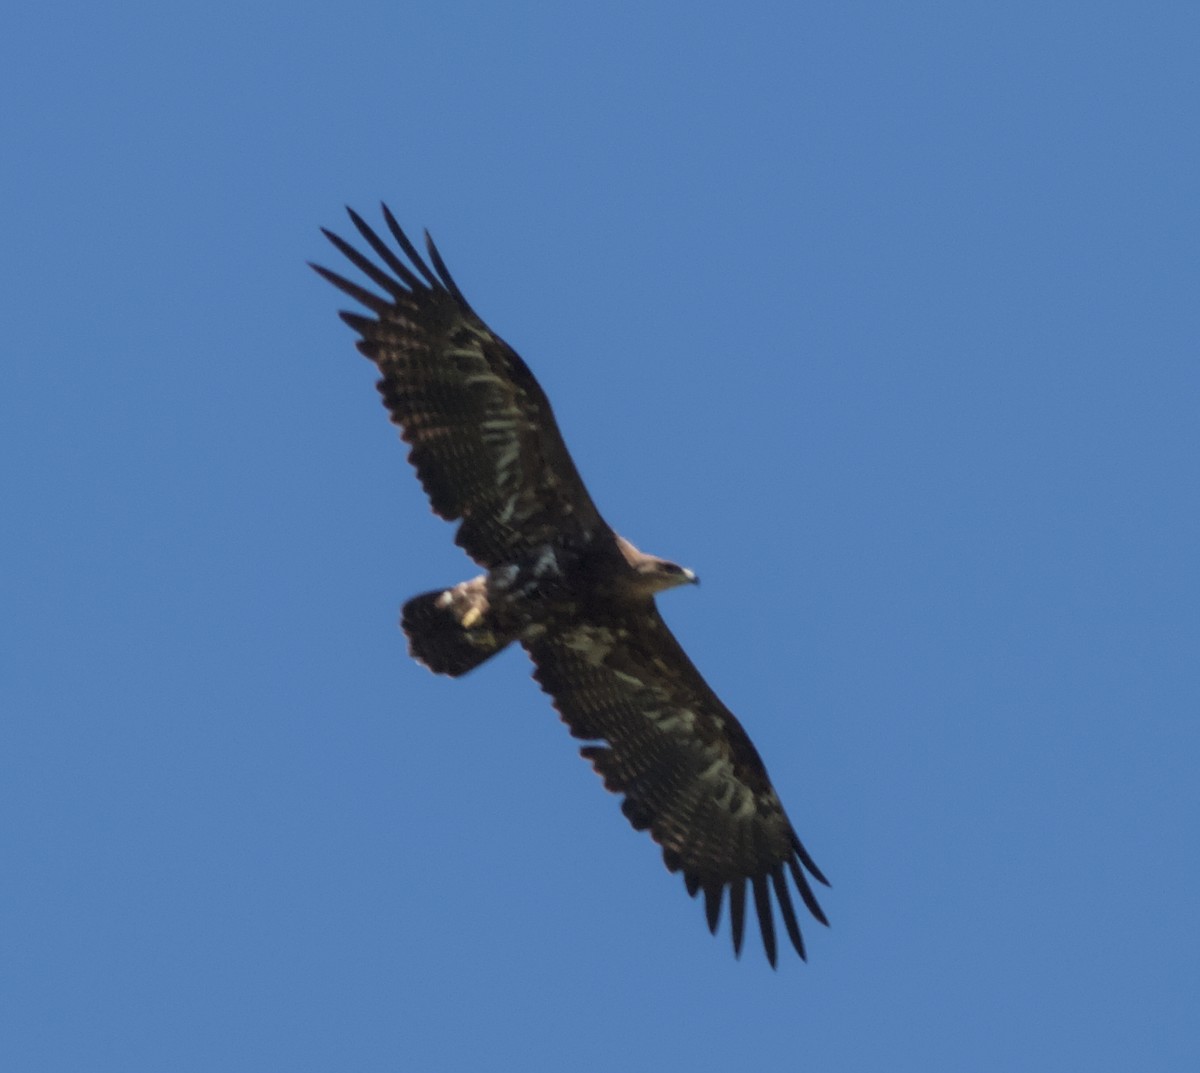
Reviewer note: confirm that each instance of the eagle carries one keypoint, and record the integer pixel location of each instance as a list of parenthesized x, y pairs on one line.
[(557, 580)]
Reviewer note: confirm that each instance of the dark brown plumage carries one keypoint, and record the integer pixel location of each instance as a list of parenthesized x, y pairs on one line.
[(575, 595)]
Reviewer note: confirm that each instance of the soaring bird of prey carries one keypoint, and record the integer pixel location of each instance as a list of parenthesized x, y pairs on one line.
[(576, 596)]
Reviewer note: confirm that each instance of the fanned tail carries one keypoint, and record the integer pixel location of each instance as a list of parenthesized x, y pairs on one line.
[(451, 631)]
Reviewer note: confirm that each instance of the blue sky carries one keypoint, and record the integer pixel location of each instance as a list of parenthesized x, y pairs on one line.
[(882, 317)]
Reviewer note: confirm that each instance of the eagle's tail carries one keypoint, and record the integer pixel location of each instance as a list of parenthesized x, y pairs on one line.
[(453, 632)]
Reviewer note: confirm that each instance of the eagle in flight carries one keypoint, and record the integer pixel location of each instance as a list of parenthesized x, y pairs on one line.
[(575, 595)]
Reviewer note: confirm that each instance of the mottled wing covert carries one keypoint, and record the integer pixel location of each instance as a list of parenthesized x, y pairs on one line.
[(688, 771), (484, 440)]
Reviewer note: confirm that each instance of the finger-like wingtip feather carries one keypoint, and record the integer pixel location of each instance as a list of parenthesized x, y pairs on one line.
[(409, 249), (372, 301), (737, 913), (810, 899), (807, 861), (787, 911), (712, 905), (357, 321), (384, 250), (366, 266), (441, 269), (766, 922)]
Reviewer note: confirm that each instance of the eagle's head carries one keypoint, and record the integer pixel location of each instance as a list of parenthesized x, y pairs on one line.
[(664, 574), (653, 574)]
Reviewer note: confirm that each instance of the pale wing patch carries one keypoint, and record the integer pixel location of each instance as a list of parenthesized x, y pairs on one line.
[(605, 647), (547, 563), (730, 794), (593, 643)]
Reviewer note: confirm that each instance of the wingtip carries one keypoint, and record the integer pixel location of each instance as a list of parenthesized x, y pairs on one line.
[(809, 864), (766, 920), (443, 272), (407, 246), (712, 905), (787, 910), (737, 914)]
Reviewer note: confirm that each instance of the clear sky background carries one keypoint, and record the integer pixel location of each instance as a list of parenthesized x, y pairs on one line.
[(882, 317)]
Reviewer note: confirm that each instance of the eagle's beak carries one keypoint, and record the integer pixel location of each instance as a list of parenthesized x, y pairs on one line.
[(691, 576)]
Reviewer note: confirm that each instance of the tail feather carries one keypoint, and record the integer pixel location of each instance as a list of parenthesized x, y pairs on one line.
[(433, 623)]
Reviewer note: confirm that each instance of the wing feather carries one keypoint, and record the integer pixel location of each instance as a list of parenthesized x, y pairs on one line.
[(409, 249), (712, 905), (766, 922), (737, 912), (786, 909), (361, 295), (383, 250), (686, 768), (483, 437), (366, 266)]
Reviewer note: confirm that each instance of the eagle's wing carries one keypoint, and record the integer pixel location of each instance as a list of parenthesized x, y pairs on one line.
[(689, 772), (484, 440)]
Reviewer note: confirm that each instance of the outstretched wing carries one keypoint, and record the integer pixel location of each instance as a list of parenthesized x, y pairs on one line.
[(689, 772), (484, 440)]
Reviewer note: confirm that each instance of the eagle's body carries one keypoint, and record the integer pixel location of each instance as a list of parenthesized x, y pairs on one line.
[(560, 582)]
